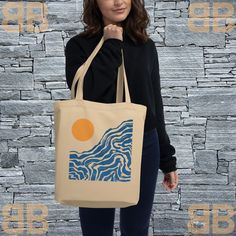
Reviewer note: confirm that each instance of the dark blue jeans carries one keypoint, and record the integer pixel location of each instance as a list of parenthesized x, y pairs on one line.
[(134, 220)]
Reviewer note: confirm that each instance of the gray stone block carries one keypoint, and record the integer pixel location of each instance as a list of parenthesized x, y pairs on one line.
[(8, 38), (34, 107), (226, 155), (10, 180), (32, 188), (10, 176), (35, 95), (205, 161), (27, 62), (30, 141), (196, 130), (54, 44), (232, 172), (9, 95), (223, 167), (220, 134), (3, 146), (182, 4), (8, 160), (37, 154), (16, 81), (49, 68), (18, 69), (56, 85), (183, 150), (62, 228), (6, 198), (170, 223), (166, 13), (14, 51), (42, 131), (207, 179), (37, 54), (184, 62), (13, 133), (26, 40), (186, 34), (165, 5), (206, 194), (35, 121), (212, 101), (195, 121), (39, 173), (61, 94)]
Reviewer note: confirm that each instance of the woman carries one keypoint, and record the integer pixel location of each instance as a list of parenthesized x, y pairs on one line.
[(123, 24)]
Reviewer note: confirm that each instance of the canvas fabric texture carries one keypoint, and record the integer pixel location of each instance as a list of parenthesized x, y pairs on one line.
[(98, 146)]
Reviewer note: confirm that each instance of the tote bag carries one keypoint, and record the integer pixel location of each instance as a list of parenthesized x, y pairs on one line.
[(98, 146)]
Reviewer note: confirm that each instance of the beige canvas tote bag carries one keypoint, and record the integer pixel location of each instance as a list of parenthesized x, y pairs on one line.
[(98, 146)]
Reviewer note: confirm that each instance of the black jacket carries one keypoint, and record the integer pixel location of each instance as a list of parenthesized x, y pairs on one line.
[(142, 70)]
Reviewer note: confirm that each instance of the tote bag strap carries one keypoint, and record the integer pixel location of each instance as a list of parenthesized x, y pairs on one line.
[(121, 77)]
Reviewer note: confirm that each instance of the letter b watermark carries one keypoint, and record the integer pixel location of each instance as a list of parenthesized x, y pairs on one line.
[(29, 12), (204, 219), (19, 218), (205, 17)]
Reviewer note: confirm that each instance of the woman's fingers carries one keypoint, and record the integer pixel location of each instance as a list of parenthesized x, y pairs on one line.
[(113, 31), (170, 180)]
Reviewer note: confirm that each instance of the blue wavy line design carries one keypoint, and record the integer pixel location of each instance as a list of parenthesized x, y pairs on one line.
[(109, 160)]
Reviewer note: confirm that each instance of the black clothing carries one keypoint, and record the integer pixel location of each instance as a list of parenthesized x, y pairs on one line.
[(134, 220), (142, 70)]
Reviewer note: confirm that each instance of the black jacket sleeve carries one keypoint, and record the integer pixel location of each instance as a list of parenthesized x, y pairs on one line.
[(167, 160), (101, 77)]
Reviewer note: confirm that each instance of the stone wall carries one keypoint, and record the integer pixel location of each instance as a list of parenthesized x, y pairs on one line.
[(198, 79)]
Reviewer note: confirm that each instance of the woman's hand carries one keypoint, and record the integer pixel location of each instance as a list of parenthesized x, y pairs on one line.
[(170, 180), (113, 31)]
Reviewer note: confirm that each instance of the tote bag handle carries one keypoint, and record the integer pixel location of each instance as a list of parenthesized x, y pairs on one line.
[(80, 74)]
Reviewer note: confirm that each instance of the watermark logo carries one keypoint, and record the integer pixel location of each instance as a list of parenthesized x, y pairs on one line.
[(28, 15), (204, 219), (213, 20), (19, 218)]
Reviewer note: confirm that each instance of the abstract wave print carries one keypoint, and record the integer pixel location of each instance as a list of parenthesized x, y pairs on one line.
[(109, 160)]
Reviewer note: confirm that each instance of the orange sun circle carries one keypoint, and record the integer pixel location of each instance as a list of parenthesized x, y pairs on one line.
[(82, 129)]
